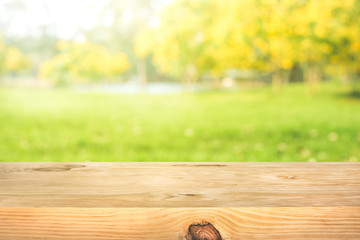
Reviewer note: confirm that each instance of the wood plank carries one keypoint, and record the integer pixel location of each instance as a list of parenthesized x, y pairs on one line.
[(179, 201), (121, 185), (173, 223)]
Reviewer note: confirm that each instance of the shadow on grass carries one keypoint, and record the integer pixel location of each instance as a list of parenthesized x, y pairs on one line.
[(353, 95)]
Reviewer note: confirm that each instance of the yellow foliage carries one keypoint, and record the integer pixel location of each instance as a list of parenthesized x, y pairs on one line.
[(82, 62), (261, 34), (12, 59)]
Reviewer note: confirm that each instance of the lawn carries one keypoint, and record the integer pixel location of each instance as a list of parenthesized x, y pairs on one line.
[(252, 125)]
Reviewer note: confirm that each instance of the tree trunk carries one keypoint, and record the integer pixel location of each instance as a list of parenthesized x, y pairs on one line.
[(355, 80), (296, 74), (189, 78), (277, 80), (313, 77), (142, 76)]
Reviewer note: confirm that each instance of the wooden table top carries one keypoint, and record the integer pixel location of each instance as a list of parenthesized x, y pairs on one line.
[(179, 201), (131, 185)]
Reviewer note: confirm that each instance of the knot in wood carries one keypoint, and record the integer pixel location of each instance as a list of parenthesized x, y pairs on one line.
[(205, 231)]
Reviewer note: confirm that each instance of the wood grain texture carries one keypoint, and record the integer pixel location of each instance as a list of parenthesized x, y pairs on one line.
[(179, 201), (120, 185), (173, 223)]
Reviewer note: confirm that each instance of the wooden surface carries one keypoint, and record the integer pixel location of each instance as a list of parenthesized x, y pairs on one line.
[(172, 223), (158, 201), (118, 185)]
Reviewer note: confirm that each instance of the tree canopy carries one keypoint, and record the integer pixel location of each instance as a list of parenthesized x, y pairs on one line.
[(266, 35), (81, 62), (187, 39), (12, 60)]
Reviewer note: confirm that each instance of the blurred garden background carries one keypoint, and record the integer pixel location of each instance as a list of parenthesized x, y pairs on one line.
[(180, 80)]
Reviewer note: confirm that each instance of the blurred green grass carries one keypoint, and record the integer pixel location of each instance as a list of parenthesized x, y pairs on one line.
[(253, 125)]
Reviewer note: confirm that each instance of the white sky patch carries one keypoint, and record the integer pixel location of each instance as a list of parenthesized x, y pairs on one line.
[(155, 22), (66, 16)]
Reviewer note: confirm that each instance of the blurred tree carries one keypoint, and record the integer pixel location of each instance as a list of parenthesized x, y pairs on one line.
[(345, 55), (122, 20), (83, 62), (266, 35), (37, 42), (12, 60), (187, 39), (179, 44)]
